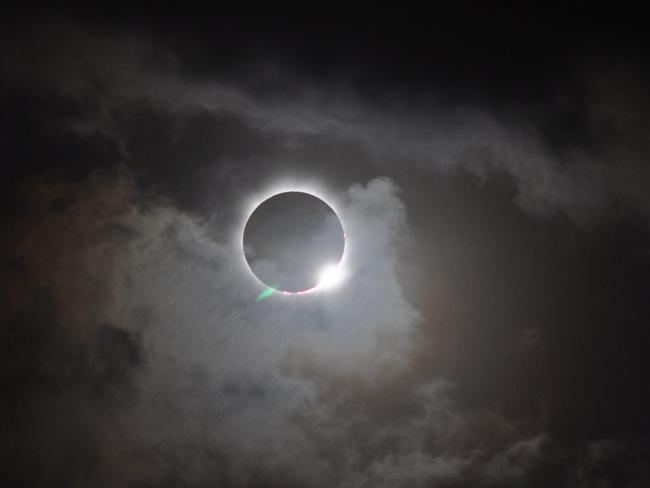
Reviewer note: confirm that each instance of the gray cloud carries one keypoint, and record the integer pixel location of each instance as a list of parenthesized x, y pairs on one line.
[(158, 365), (581, 181), (148, 360)]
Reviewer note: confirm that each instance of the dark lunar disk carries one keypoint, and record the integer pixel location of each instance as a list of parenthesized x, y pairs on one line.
[(289, 238)]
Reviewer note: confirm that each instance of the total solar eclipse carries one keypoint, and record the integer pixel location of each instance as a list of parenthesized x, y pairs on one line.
[(294, 242)]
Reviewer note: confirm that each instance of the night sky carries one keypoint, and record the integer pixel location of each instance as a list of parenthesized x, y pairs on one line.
[(491, 168)]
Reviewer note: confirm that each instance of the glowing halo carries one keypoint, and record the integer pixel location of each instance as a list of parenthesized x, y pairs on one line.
[(331, 271)]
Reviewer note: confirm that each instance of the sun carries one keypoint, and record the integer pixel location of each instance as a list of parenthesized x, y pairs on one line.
[(330, 276), (294, 243)]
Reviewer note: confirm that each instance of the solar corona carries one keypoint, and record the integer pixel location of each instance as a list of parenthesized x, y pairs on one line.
[(294, 244)]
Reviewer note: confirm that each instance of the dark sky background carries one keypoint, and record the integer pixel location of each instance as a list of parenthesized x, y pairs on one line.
[(491, 168)]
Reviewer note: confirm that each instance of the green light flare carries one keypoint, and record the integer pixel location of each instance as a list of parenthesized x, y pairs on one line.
[(266, 293)]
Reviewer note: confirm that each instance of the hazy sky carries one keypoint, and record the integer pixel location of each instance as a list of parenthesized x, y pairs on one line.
[(490, 169)]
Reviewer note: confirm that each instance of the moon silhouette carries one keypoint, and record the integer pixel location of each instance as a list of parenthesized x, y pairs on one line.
[(292, 242)]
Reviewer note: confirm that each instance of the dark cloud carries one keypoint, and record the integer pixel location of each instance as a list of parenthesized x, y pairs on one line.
[(481, 338), (188, 359), (157, 362), (603, 166)]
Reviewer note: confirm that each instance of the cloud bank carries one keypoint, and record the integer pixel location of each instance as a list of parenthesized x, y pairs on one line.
[(148, 360), (122, 74), (135, 353)]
